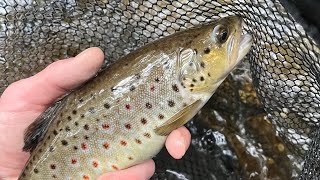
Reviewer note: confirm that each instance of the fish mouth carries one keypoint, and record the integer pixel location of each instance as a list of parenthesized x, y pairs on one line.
[(244, 46)]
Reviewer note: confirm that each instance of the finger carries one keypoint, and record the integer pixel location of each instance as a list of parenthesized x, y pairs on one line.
[(55, 80), (178, 142), (142, 171)]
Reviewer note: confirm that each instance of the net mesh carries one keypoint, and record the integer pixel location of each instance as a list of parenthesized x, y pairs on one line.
[(284, 57)]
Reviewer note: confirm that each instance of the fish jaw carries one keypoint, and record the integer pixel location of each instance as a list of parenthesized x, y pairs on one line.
[(245, 45)]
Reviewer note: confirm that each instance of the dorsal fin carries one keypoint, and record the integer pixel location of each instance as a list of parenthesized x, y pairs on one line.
[(36, 130)]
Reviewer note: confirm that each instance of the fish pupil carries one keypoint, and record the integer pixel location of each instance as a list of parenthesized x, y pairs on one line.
[(224, 36)]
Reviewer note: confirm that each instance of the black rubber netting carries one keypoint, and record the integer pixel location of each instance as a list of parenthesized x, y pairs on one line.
[(284, 58)]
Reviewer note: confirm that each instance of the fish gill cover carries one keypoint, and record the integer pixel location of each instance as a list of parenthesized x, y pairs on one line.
[(283, 61)]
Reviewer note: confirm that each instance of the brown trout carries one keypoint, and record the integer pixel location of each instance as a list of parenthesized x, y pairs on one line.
[(122, 116)]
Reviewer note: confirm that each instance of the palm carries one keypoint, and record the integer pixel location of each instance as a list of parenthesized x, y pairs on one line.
[(13, 121), (24, 100)]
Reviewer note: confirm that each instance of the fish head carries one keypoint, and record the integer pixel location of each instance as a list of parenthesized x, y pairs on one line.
[(219, 48)]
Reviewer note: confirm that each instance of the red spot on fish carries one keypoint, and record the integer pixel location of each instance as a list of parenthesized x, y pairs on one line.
[(152, 88), (115, 167), (106, 145), (84, 146), (73, 161), (128, 106), (128, 126), (147, 135), (123, 143), (85, 177), (95, 164), (105, 126)]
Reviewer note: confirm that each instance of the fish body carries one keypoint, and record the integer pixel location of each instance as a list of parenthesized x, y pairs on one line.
[(123, 116)]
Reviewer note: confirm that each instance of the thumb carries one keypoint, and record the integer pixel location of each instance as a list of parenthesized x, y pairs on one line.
[(59, 77)]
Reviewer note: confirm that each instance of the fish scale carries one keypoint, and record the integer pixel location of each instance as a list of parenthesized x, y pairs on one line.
[(122, 116)]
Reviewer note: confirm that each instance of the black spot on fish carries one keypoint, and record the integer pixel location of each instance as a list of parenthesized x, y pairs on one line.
[(69, 118), (36, 170), (113, 89), (148, 105), (209, 74), (86, 137), (74, 112), (55, 132), (138, 141), (67, 128), (201, 78), (143, 121), (137, 76), (175, 88), (53, 166), (202, 64), (81, 100), (86, 127), (206, 51), (76, 123), (132, 88), (147, 135), (64, 142), (171, 103), (75, 147), (194, 80), (82, 115), (160, 116), (157, 79), (106, 105), (191, 85)]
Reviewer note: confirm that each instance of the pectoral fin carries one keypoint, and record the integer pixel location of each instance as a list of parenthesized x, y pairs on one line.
[(178, 119)]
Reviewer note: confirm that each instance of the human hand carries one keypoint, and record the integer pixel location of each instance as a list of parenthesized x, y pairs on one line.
[(24, 100)]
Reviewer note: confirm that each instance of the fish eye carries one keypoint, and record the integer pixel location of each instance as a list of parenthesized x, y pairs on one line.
[(221, 34)]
